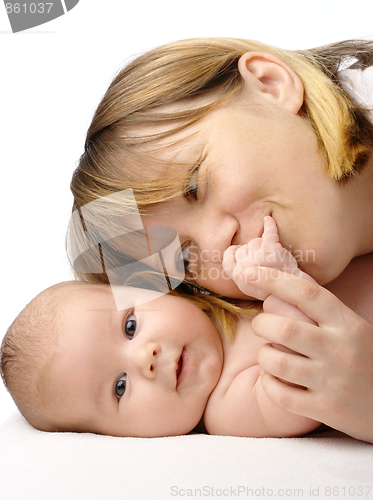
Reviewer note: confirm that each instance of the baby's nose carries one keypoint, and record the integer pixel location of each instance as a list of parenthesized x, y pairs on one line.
[(147, 359)]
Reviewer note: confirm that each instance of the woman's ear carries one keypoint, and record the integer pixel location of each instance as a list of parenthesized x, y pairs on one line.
[(269, 75)]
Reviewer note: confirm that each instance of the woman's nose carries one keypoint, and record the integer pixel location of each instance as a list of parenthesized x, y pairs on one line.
[(214, 235)]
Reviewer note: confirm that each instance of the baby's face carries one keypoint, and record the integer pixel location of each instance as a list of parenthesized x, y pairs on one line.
[(145, 371)]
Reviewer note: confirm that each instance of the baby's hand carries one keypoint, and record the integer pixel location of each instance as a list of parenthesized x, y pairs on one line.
[(265, 251)]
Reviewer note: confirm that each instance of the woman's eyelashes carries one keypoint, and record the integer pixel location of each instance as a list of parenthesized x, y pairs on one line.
[(191, 190)]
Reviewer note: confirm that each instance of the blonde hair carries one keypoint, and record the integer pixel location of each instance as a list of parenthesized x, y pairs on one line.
[(186, 70), (142, 94), (27, 352)]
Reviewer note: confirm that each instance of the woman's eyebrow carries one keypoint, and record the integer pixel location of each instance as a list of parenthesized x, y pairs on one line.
[(201, 159), (195, 166)]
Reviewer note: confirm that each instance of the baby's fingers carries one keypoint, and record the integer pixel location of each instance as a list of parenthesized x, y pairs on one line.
[(270, 234), (229, 260)]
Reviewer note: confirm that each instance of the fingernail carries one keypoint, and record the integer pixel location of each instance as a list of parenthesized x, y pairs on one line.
[(253, 273)]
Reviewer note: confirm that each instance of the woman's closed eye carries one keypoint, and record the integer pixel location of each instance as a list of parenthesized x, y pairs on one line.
[(191, 189)]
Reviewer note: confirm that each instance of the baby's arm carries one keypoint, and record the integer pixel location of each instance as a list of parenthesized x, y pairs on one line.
[(265, 251)]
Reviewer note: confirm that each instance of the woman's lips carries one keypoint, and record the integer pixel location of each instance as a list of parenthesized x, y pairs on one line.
[(182, 367)]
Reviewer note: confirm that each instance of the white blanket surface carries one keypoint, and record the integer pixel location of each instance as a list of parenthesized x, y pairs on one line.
[(38, 465)]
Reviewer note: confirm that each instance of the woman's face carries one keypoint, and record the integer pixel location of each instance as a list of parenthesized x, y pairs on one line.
[(247, 160)]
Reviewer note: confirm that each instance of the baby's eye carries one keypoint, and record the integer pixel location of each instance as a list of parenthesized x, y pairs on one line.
[(130, 326), (120, 386), (191, 190)]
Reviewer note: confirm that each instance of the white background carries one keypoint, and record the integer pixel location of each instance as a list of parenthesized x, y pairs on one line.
[(52, 78)]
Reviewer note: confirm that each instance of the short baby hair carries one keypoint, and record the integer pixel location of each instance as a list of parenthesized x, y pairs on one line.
[(27, 353)]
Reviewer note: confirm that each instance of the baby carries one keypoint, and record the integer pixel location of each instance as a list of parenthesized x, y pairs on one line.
[(153, 369)]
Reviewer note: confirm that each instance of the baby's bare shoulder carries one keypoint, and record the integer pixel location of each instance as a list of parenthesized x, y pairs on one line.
[(233, 398), (232, 409), (245, 410)]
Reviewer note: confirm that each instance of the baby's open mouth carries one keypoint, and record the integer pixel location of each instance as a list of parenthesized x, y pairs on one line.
[(179, 366), (182, 367)]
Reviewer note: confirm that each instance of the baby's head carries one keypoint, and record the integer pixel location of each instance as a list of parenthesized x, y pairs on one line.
[(27, 355), (73, 362)]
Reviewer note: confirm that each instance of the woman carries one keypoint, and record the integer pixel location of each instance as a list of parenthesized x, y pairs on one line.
[(211, 136)]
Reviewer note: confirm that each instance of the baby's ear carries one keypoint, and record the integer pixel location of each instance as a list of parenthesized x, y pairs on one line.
[(273, 79)]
